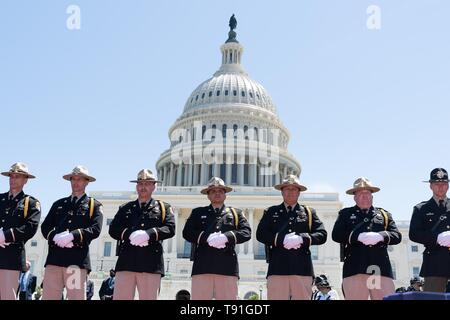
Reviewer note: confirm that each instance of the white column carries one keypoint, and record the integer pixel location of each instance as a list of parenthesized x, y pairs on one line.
[(165, 181), (285, 171), (202, 174), (228, 171), (240, 172), (171, 174), (179, 172), (186, 175), (195, 182), (252, 174), (216, 170)]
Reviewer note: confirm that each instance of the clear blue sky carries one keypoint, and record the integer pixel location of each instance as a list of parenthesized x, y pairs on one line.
[(357, 102)]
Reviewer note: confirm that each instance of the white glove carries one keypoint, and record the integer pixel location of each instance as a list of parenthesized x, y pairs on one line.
[(444, 239), (63, 239), (139, 237), (212, 236), (370, 238), (2, 236), (219, 241), (4, 244), (292, 241)]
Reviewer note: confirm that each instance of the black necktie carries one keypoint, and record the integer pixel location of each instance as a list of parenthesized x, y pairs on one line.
[(142, 205), (217, 210), (11, 197), (289, 209), (74, 201), (441, 205)]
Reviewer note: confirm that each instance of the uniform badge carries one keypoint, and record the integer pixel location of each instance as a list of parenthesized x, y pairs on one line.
[(430, 214), (378, 219), (440, 174), (352, 217), (203, 217)]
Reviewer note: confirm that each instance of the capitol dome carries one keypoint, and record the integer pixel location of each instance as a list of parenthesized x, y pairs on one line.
[(228, 112)]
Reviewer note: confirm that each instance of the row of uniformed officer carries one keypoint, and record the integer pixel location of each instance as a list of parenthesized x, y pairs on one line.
[(19, 220)]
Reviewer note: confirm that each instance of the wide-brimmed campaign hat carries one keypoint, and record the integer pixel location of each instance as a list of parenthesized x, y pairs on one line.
[(290, 180), (362, 184), (438, 175), (79, 171), (216, 182), (145, 175), (19, 168)]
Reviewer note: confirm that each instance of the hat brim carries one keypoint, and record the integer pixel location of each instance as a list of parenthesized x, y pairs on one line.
[(282, 185), (352, 191), (438, 180), (151, 180), (70, 175), (27, 175), (206, 190)]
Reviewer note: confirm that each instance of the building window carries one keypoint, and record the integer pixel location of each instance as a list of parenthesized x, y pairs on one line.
[(203, 95), (260, 252), (416, 271), (243, 93), (196, 98), (224, 131), (186, 250), (33, 243), (223, 172), (314, 252), (226, 92), (218, 93), (108, 221), (210, 94), (107, 249), (214, 127), (251, 94), (210, 171), (234, 173), (414, 248), (234, 92)]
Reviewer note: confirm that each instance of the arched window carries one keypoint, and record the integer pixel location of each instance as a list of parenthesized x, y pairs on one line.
[(213, 134), (224, 131)]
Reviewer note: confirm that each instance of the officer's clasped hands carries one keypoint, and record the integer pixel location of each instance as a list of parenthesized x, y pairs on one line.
[(444, 239), (64, 239), (217, 240), (139, 238), (292, 241), (370, 238), (3, 244)]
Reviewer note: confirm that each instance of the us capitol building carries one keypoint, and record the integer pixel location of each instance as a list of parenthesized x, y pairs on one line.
[(229, 127)]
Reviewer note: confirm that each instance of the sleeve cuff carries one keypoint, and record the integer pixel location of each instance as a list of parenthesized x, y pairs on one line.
[(9, 236), (353, 237), (278, 240), (386, 237), (125, 234), (201, 237), (153, 234), (231, 237), (77, 236), (306, 239), (50, 235)]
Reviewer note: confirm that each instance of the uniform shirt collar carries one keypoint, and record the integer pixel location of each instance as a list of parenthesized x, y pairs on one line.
[(16, 196), (78, 198), (437, 200), (294, 207)]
